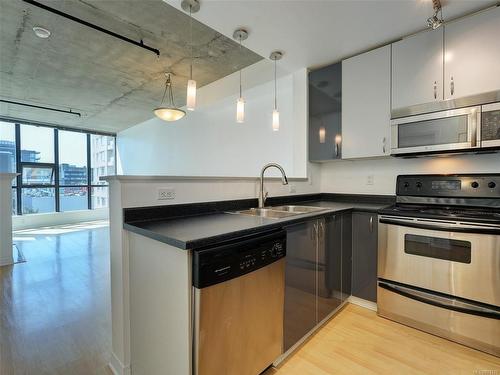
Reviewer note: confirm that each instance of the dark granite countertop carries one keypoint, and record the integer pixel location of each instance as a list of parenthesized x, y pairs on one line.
[(195, 231)]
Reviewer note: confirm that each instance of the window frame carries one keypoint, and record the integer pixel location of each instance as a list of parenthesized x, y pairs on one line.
[(56, 165)]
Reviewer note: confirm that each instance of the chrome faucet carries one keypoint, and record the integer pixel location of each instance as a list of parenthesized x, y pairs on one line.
[(284, 180)]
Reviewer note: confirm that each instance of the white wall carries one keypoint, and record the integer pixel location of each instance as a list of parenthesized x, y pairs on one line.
[(351, 176), (209, 142)]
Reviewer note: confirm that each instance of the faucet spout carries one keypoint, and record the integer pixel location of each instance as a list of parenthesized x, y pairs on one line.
[(284, 180)]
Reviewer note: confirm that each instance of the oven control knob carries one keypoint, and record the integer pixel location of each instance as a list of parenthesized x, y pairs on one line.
[(492, 185), (406, 185), (419, 185), (475, 185)]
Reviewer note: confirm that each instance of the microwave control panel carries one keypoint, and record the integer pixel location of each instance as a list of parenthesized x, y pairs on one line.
[(490, 122)]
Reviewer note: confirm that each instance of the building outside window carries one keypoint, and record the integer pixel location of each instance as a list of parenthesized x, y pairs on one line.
[(59, 169)]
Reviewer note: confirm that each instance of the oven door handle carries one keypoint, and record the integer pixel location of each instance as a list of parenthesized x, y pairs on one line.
[(445, 302), (439, 226)]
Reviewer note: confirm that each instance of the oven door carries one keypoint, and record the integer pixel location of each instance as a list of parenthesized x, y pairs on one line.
[(490, 125), (455, 258), (436, 132)]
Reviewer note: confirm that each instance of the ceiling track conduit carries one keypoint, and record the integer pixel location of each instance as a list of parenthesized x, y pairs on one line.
[(95, 27), (41, 107)]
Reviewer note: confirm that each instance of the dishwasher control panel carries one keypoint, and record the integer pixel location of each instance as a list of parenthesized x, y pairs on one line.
[(225, 262)]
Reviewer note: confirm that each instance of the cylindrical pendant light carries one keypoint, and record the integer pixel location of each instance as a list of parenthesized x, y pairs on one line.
[(239, 35), (191, 6), (275, 56)]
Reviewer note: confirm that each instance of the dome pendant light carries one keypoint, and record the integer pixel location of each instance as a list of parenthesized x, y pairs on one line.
[(191, 6), (239, 35), (275, 56), (169, 112)]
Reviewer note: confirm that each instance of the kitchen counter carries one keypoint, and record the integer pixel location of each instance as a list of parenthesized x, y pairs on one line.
[(205, 229)]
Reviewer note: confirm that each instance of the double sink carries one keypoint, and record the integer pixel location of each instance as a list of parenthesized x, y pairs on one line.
[(279, 212)]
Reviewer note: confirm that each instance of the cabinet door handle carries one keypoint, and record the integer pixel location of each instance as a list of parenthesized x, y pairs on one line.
[(435, 90), (452, 86), (336, 150), (371, 224), (384, 145), (321, 229)]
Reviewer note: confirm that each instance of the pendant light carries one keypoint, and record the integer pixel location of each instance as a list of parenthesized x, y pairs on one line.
[(275, 56), (191, 6), (169, 112), (239, 35)]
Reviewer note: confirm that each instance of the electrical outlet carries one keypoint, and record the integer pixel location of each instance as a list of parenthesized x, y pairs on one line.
[(370, 180), (166, 193), (292, 188)]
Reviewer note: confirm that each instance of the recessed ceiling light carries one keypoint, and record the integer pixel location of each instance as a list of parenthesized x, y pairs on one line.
[(41, 32)]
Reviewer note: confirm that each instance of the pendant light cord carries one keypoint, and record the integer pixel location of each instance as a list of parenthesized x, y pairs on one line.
[(240, 69), (191, 41), (275, 88)]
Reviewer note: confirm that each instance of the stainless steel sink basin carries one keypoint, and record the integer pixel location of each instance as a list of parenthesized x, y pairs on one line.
[(279, 211), (298, 209), (267, 212)]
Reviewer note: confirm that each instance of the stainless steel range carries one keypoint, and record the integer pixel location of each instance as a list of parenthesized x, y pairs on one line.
[(439, 258)]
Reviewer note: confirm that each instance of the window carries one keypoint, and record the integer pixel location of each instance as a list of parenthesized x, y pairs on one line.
[(14, 201), (37, 144), (73, 198), (7, 147), (38, 201), (59, 168), (35, 175), (72, 158)]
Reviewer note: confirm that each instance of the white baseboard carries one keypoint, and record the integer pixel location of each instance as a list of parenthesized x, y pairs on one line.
[(117, 367), (363, 303)]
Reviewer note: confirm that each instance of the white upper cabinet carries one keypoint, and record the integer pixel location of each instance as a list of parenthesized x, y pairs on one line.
[(366, 98), (417, 69), (472, 55)]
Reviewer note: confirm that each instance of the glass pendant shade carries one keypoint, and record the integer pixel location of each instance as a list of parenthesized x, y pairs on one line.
[(169, 114), (191, 95), (240, 110), (276, 120)]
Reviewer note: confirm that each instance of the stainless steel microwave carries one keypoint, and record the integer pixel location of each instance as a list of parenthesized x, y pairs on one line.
[(444, 131), (464, 129)]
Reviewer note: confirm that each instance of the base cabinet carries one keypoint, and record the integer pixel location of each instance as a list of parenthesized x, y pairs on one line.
[(300, 282), (317, 273), (364, 255)]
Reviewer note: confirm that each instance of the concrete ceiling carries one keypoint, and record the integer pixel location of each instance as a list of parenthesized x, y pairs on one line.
[(314, 33), (113, 84)]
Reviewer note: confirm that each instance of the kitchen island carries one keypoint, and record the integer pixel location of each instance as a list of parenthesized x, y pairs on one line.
[(162, 241)]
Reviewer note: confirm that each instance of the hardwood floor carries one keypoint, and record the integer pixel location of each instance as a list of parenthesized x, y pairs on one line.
[(55, 308), (357, 341), (54, 319)]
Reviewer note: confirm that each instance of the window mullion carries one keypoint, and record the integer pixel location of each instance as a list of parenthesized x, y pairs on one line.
[(89, 176), (56, 171)]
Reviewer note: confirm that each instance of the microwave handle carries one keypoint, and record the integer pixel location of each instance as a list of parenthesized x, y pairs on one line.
[(475, 121), (448, 303)]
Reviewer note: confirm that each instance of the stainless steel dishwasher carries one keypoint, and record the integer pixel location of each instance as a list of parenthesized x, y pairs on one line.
[(238, 292)]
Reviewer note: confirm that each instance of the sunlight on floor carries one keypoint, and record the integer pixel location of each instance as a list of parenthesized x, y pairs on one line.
[(20, 235)]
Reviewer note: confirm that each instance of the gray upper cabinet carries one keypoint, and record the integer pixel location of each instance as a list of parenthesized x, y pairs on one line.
[(366, 104), (325, 105), (417, 69), (364, 255), (472, 55)]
